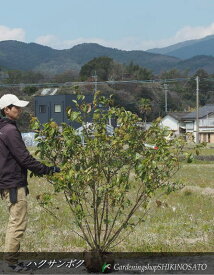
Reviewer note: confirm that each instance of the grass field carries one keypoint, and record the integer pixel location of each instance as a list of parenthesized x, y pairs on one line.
[(183, 221)]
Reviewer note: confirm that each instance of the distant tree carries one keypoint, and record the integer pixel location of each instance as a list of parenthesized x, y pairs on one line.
[(3, 75), (102, 65), (145, 107), (172, 74), (30, 90), (32, 77), (203, 76), (67, 76), (107, 69), (125, 99), (204, 85), (117, 71), (16, 76), (138, 72)]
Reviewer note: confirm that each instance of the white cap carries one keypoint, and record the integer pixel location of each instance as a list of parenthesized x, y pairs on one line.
[(8, 99)]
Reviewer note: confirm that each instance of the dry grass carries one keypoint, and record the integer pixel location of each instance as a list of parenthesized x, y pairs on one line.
[(183, 221)]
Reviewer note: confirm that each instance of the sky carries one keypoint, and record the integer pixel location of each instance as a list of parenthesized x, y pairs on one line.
[(121, 24)]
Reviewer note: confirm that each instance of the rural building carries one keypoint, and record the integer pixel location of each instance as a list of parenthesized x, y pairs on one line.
[(186, 123), (206, 123), (174, 122), (53, 107)]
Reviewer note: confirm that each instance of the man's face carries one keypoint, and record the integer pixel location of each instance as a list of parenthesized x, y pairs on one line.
[(13, 113)]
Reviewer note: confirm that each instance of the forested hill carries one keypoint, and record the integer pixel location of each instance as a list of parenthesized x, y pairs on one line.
[(189, 49), (22, 56), (32, 56), (16, 55), (156, 62)]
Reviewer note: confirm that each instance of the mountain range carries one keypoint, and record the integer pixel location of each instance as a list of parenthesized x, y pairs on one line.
[(188, 49), (189, 55)]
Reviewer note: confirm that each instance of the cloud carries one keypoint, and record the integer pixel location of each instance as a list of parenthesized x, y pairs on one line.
[(48, 40), (55, 42), (130, 43), (188, 32), (126, 43), (7, 33), (184, 34)]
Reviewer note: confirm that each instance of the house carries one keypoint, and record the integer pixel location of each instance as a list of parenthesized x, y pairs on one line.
[(174, 122), (206, 123), (185, 122), (53, 107)]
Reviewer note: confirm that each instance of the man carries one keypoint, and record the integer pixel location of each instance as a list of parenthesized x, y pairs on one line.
[(15, 160)]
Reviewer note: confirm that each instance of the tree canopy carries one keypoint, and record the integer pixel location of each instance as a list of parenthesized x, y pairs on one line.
[(102, 66)]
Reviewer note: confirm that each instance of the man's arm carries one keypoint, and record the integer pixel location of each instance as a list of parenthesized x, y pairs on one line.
[(19, 151)]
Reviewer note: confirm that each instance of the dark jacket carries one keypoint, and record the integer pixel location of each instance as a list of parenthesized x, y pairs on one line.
[(15, 159)]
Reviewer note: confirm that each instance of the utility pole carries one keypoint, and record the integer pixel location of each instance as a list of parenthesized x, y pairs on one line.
[(165, 92), (95, 81), (197, 111)]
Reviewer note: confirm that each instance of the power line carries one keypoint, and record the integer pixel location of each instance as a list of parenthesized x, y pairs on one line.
[(112, 82)]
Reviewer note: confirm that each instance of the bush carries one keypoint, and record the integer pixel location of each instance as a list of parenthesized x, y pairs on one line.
[(107, 177)]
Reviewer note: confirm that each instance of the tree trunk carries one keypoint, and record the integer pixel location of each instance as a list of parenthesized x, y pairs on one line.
[(97, 262)]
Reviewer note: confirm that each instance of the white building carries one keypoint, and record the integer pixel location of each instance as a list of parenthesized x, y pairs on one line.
[(174, 122), (206, 123), (185, 122)]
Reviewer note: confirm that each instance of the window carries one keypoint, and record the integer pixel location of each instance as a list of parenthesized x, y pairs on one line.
[(189, 126), (42, 108), (57, 108)]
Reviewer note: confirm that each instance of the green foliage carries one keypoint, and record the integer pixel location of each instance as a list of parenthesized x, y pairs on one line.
[(205, 87), (137, 72), (107, 69), (30, 90), (107, 178), (173, 73), (102, 65), (31, 56), (144, 106), (16, 76), (67, 76)]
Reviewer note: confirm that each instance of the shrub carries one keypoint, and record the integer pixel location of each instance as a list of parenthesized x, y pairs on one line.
[(107, 177)]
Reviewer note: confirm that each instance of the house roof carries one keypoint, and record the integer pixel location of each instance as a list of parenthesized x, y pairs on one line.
[(203, 111), (178, 115)]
